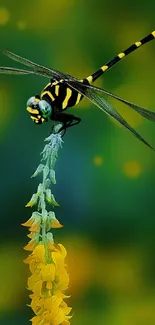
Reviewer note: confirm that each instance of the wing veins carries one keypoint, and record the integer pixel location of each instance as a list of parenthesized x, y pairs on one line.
[(38, 68), (91, 94), (146, 113), (9, 70)]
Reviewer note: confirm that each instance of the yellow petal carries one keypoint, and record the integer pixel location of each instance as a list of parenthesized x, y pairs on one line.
[(60, 248), (55, 248), (33, 266), (30, 204), (58, 293), (36, 306), (63, 250), (32, 280), (28, 259), (28, 223), (55, 224), (52, 303), (33, 200), (67, 310), (50, 244), (35, 227), (59, 262), (39, 253), (30, 246), (36, 320), (59, 318), (65, 322), (52, 315), (37, 288), (56, 301), (63, 281), (69, 317), (30, 235), (48, 272)]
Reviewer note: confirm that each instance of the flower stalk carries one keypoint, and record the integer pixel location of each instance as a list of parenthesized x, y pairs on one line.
[(49, 279)]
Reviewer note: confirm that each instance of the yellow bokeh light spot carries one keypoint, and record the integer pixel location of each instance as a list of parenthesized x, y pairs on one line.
[(132, 169), (51, 12), (4, 16), (21, 25), (98, 160)]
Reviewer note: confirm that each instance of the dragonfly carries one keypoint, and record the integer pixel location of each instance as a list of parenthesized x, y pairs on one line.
[(64, 91)]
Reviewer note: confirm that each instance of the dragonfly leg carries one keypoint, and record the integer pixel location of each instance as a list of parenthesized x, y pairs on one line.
[(67, 120)]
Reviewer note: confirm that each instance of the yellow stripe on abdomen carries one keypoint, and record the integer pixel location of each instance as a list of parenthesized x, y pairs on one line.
[(68, 96), (121, 55), (153, 33), (138, 44), (104, 67), (90, 79)]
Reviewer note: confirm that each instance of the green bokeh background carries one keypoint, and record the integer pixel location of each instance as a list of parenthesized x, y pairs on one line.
[(105, 177)]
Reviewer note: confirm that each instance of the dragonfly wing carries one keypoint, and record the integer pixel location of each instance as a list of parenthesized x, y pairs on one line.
[(150, 115), (50, 73), (6, 70), (14, 71), (98, 100)]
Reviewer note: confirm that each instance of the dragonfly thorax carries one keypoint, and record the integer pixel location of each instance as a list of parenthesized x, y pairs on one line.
[(40, 110)]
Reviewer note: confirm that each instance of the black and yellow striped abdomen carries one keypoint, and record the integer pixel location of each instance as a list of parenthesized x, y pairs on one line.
[(120, 56), (59, 94)]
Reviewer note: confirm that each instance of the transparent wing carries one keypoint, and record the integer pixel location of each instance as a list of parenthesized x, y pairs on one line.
[(91, 93), (50, 73), (150, 115), (14, 71)]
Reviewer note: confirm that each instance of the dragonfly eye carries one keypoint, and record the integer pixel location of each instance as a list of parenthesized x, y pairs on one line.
[(31, 102), (45, 108)]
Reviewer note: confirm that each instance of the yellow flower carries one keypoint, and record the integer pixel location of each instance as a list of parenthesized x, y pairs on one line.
[(48, 281), (37, 258), (33, 223), (55, 224), (52, 221), (31, 245), (33, 201), (55, 312), (48, 272), (28, 223), (63, 281), (39, 253), (35, 284)]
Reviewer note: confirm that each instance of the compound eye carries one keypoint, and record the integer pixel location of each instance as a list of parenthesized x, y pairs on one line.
[(31, 101), (45, 108)]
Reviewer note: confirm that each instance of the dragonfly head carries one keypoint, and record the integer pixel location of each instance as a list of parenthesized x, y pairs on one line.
[(40, 110)]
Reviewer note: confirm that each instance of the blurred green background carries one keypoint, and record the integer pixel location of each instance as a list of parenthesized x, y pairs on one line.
[(105, 177)]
